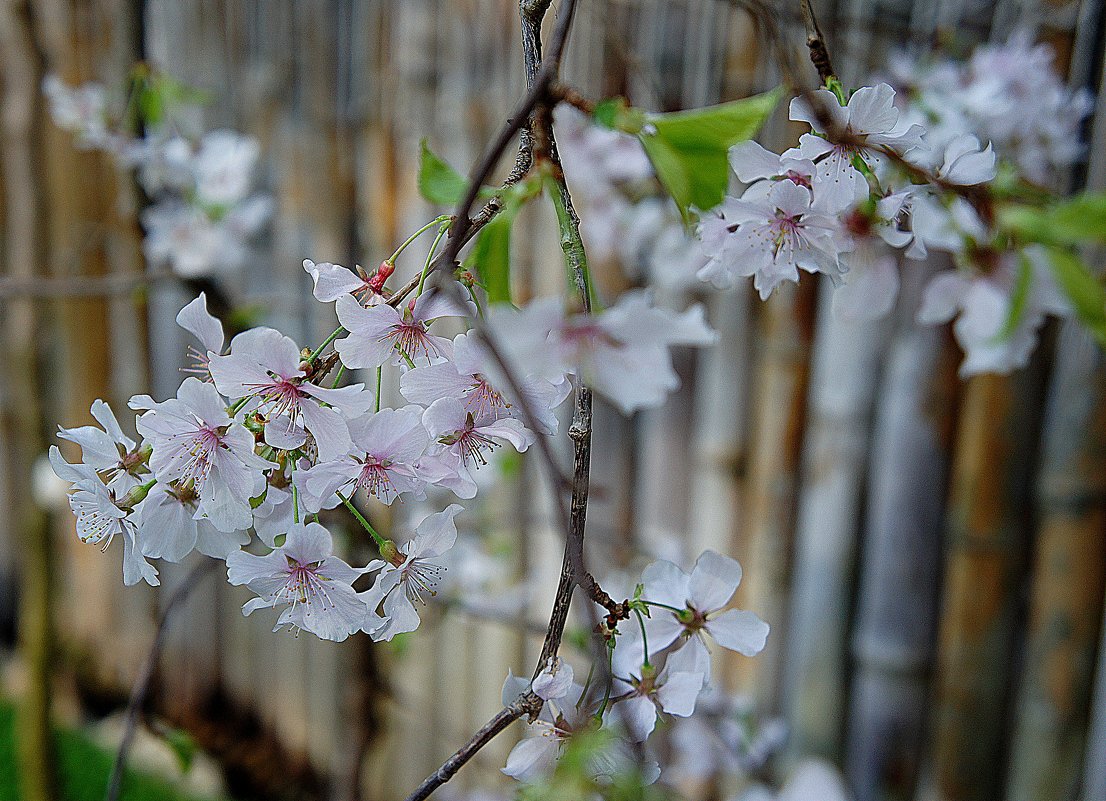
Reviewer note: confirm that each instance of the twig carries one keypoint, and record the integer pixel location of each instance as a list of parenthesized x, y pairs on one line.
[(142, 686), (816, 44)]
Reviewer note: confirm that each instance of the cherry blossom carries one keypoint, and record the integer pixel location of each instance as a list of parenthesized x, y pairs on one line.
[(196, 444), (622, 353), (331, 281), (981, 304), (870, 117), (101, 516), (380, 333), (473, 377), (171, 526), (692, 605), (303, 576), (107, 450), (386, 447), (264, 365), (645, 693), (224, 167), (770, 237), (461, 441), (409, 574), (198, 321)]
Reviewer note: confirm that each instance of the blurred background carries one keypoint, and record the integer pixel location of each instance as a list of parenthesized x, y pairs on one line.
[(930, 552)]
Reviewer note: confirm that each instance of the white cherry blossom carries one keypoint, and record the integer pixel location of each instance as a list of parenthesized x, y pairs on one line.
[(264, 365), (380, 334), (408, 575), (700, 598), (198, 321), (107, 450), (304, 576), (386, 447)]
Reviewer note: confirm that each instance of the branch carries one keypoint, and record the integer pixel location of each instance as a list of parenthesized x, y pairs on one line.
[(819, 53), (145, 677)]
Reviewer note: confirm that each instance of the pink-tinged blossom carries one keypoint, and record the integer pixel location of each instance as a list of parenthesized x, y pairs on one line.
[(170, 529), (303, 576), (770, 238), (762, 169), (460, 443), (621, 353), (965, 163), (870, 118), (386, 447), (563, 715), (224, 167), (701, 598), (646, 693), (108, 451), (198, 321), (101, 515), (196, 444), (332, 281), (80, 110), (473, 377), (410, 575), (982, 307), (380, 334), (264, 365)]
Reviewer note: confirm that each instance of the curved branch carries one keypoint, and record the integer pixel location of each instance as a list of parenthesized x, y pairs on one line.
[(145, 677)]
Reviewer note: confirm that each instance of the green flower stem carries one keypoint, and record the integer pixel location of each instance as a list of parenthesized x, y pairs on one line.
[(318, 351), (338, 378), (416, 235), (430, 256), (662, 606), (237, 407), (380, 541), (644, 638), (570, 241), (379, 380), (295, 492)]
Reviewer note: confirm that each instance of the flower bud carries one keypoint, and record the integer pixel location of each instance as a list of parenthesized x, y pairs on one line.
[(382, 274)]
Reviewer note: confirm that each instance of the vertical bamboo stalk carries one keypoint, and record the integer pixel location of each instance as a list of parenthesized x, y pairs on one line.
[(778, 422), (896, 614), (24, 242), (987, 540), (1094, 773), (1069, 577), (843, 382)]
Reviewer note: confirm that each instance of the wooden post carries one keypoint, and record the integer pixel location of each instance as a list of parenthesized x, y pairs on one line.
[(24, 245)]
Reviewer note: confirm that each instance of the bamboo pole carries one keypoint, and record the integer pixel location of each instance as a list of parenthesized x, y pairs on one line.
[(778, 418), (1068, 582), (987, 540), (897, 592), (844, 377), (24, 242)]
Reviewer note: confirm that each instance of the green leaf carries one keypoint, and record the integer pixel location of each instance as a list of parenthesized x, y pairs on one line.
[(1080, 219), (490, 257), (183, 746), (617, 114), (1018, 299), (689, 149), (1077, 220), (1083, 289), (438, 182)]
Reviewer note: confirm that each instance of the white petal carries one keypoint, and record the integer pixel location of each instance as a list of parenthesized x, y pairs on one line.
[(739, 631), (713, 581)]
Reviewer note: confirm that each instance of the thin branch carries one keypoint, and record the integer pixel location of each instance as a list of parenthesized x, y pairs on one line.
[(145, 677), (816, 43)]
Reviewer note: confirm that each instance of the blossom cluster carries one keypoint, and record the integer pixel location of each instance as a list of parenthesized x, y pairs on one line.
[(660, 665), (204, 212), (887, 174), (258, 439)]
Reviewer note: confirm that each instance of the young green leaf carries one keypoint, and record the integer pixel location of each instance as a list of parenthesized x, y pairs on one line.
[(490, 257), (689, 148), (1083, 289), (1018, 299), (438, 182)]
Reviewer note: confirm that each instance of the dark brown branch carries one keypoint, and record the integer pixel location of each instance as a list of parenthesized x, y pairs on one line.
[(528, 703), (145, 677), (816, 43)]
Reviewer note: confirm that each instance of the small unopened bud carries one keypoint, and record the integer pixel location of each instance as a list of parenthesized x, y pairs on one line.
[(466, 278), (390, 553), (382, 274), (136, 495)]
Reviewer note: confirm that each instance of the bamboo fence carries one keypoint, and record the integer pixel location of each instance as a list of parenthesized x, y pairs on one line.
[(931, 554)]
